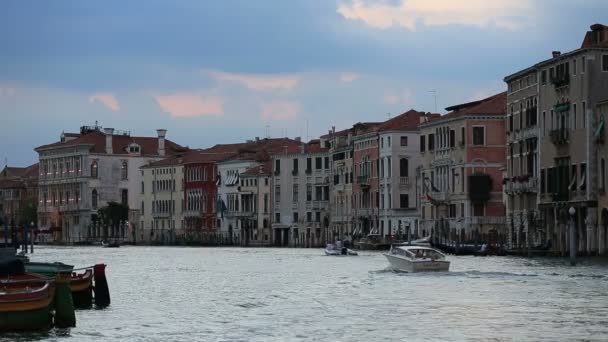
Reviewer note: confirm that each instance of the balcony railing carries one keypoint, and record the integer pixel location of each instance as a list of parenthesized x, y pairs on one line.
[(476, 220), (518, 186), (560, 80), (559, 136), (339, 187), (441, 196), (404, 181), (363, 180)]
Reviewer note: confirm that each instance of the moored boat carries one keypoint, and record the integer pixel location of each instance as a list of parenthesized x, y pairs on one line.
[(26, 302), (49, 269), (110, 244), (373, 242), (338, 250), (417, 259)]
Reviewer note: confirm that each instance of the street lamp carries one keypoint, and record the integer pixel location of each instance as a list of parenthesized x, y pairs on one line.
[(32, 235), (572, 234)]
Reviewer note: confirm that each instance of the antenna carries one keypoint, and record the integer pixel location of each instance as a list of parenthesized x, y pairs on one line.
[(307, 138), (435, 97), (267, 131)]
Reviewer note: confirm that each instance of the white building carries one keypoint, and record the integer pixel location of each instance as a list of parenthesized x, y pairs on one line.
[(399, 157), (162, 204), (83, 172), (300, 197)]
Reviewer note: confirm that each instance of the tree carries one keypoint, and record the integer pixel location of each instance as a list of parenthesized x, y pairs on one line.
[(113, 214), (28, 213)]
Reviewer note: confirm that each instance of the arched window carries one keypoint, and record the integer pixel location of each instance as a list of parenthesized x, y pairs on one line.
[(124, 170), (94, 199), (403, 168), (94, 169)]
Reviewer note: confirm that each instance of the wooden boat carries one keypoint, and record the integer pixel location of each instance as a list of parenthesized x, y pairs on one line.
[(26, 302), (81, 285), (49, 269)]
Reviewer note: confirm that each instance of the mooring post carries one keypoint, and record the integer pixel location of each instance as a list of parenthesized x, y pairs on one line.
[(572, 235)]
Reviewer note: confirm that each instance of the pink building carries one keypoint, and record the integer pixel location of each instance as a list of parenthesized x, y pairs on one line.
[(463, 158)]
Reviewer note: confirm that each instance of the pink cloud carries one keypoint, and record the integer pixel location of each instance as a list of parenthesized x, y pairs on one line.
[(347, 77), (106, 99), (509, 14), (191, 105), (259, 82), (280, 110)]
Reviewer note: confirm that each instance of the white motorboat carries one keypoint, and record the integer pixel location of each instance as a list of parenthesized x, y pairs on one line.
[(417, 259), (338, 250)]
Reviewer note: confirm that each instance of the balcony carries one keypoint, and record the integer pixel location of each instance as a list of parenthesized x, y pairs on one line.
[(363, 181), (559, 136), (339, 187), (521, 185), (404, 181), (493, 220), (247, 213), (161, 215), (560, 80), (320, 205), (526, 133)]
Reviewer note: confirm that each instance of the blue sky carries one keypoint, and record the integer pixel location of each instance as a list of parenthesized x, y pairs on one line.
[(221, 71)]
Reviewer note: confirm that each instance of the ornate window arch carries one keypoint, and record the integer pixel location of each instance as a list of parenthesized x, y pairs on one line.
[(94, 169), (124, 170)]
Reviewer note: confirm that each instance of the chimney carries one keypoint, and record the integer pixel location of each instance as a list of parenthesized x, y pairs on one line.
[(556, 54), (108, 132), (298, 139), (161, 141)]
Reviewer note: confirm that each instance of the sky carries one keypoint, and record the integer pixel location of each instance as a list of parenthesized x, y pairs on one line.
[(227, 71)]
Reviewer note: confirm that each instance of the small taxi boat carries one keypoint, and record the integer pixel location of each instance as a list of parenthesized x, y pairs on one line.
[(417, 259)]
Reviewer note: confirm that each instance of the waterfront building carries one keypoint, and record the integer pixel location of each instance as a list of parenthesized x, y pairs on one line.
[(162, 202), (570, 89), (255, 205), (236, 220), (84, 171), (399, 154), (365, 188), (18, 189), (463, 153), (300, 195), (341, 185)]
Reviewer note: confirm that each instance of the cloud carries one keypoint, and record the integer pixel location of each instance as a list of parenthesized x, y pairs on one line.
[(405, 97), (509, 14), (280, 110), (107, 100), (191, 105), (259, 82), (347, 77)]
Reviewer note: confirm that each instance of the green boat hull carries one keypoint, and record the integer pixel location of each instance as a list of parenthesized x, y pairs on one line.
[(47, 268), (32, 320)]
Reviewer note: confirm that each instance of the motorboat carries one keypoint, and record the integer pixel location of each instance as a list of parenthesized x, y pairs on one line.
[(417, 259), (338, 249), (373, 241), (110, 244)]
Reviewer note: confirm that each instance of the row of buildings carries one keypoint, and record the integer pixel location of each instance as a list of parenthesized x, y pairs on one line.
[(504, 169)]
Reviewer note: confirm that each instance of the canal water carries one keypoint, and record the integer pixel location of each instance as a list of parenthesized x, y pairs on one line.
[(240, 294)]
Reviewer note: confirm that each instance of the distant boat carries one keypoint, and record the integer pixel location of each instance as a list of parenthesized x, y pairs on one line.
[(373, 242), (338, 250), (417, 259), (26, 302), (110, 244)]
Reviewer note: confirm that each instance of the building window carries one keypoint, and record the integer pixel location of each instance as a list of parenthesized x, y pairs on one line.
[(277, 166), (295, 192), (277, 193), (124, 197), (277, 217), (94, 169), (94, 199), (431, 142), (295, 166), (403, 168), (404, 201), (604, 62), (422, 143), (295, 218), (479, 135), (309, 192), (574, 67), (318, 163), (543, 77), (404, 141), (452, 138), (327, 163), (389, 141), (308, 164), (309, 216), (124, 170)]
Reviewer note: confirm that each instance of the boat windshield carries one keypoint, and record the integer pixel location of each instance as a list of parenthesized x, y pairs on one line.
[(418, 253)]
